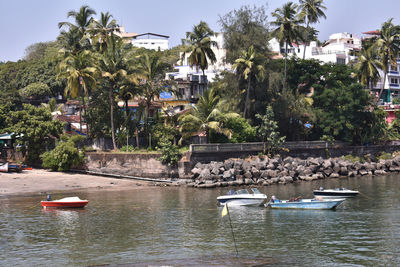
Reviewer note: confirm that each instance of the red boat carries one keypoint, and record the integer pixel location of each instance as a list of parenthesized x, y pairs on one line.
[(67, 202)]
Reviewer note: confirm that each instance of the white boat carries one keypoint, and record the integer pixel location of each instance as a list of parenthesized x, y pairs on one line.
[(67, 202), (335, 193), (242, 197), (4, 167)]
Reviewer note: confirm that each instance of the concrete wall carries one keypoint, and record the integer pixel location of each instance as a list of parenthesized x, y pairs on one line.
[(128, 164)]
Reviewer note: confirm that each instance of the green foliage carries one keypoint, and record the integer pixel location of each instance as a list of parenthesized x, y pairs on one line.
[(170, 154), (36, 129), (127, 148), (35, 91), (240, 128), (268, 131), (353, 159), (383, 155), (245, 27), (64, 156)]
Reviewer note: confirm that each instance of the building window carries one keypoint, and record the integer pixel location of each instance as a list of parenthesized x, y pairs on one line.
[(394, 80), (393, 68), (341, 61)]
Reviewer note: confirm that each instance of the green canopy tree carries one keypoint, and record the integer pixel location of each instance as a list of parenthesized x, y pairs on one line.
[(199, 46), (100, 30), (36, 130), (310, 11), (367, 67), (82, 19)]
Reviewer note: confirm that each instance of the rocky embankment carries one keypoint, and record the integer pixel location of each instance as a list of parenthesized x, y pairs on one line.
[(256, 171)]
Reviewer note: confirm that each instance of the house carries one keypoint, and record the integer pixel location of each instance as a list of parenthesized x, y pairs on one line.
[(147, 40), (339, 49)]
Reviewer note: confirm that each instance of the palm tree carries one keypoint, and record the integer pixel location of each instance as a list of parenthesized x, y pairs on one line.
[(199, 45), (287, 25), (311, 11), (114, 67), (100, 30), (151, 71), (205, 116), (246, 66), (82, 19), (387, 44), (367, 67), (80, 71)]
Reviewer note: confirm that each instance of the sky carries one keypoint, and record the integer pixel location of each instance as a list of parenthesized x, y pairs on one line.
[(25, 22)]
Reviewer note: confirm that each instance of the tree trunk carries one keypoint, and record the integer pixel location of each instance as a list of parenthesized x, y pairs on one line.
[(286, 53), (137, 138), (127, 129), (110, 96), (306, 39), (246, 103), (147, 122), (383, 85)]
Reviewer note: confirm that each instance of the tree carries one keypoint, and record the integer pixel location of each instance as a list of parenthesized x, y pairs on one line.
[(101, 30), (205, 116), (368, 67), (243, 28), (80, 71), (151, 72), (246, 66), (114, 68), (35, 91), (36, 130), (311, 11), (82, 18), (287, 25), (388, 47), (199, 45), (268, 131)]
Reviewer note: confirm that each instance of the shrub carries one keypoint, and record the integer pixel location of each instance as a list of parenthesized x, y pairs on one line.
[(169, 153), (63, 157), (127, 149), (384, 155)]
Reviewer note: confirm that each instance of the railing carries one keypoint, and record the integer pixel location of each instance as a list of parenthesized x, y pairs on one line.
[(203, 148)]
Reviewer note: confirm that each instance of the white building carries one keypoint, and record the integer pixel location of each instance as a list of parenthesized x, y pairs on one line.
[(148, 40), (339, 49)]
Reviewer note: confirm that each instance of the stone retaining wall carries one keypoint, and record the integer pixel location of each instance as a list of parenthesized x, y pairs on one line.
[(256, 171)]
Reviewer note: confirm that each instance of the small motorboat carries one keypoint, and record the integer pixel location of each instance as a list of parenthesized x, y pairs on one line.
[(67, 202), (317, 203), (335, 193), (242, 197)]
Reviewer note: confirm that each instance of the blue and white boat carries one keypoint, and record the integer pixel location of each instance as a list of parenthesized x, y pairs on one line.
[(309, 204), (242, 197), (335, 193)]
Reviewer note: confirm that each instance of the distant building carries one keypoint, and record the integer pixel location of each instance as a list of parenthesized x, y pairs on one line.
[(148, 40), (190, 81), (339, 49)]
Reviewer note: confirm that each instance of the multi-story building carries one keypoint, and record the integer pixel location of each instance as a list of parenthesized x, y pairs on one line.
[(339, 49)]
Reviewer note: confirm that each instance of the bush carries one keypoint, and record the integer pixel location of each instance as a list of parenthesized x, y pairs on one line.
[(384, 155), (127, 149), (63, 157), (169, 153)]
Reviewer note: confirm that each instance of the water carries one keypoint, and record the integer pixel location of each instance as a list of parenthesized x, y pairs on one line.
[(183, 226)]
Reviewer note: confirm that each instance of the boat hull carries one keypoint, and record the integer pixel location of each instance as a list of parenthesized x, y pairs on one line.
[(307, 204), (59, 204), (243, 201)]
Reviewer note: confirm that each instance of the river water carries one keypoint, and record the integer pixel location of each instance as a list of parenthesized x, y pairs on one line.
[(172, 226)]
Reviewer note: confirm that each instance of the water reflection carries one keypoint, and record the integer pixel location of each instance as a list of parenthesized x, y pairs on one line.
[(179, 226)]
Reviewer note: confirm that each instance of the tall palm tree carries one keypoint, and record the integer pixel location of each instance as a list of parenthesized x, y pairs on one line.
[(100, 30), (205, 116), (287, 25), (151, 72), (311, 11), (114, 67), (199, 45), (82, 19), (368, 66), (80, 71), (387, 44), (246, 66)]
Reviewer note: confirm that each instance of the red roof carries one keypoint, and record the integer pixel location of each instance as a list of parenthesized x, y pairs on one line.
[(372, 32)]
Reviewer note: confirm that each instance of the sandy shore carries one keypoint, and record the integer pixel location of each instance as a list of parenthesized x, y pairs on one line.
[(44, 182)]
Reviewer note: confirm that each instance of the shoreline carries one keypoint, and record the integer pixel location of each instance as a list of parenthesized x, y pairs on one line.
[(42, 182)]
